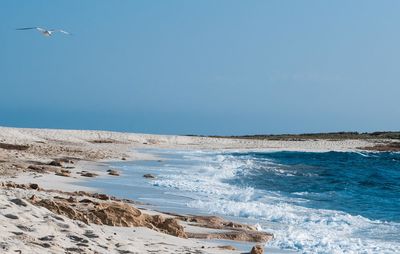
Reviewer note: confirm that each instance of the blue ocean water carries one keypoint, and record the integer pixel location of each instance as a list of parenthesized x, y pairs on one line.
[(333, 202), (356, 183)]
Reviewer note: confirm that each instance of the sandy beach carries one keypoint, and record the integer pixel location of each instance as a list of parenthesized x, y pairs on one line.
[(43, 209)]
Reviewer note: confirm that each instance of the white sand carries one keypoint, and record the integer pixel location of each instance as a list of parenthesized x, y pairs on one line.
[(28, 229), (132, 140)]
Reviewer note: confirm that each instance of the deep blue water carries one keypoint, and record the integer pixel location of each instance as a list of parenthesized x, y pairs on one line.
[(359, 184)]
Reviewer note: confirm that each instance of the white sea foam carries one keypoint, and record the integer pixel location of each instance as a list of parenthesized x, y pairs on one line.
[(207, 180), (309, 230), (306, 230)]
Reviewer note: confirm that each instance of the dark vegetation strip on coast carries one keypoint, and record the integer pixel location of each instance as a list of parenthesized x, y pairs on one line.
[(310, 136)]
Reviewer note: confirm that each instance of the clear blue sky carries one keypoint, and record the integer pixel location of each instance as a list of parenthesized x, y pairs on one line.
[(202, 67)]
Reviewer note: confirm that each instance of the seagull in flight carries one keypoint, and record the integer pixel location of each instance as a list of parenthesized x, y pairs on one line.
[(45, 32)]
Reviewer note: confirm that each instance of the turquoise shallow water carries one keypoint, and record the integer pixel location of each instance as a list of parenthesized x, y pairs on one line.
[(334, 202)]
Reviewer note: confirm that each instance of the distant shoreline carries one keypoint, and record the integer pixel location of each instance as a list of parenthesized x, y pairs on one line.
[(390, 140), (341, 135)]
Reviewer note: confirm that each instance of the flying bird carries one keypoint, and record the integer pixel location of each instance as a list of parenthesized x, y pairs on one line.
[(45, 32)]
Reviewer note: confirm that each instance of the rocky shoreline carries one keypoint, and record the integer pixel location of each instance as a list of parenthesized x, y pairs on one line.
[(104, 210)]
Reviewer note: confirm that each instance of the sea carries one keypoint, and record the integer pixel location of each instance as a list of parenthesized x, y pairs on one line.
[(313, 202)]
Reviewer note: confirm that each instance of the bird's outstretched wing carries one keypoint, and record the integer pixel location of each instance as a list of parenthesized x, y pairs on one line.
[(64, 32), (27, 28), (59, 30)]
